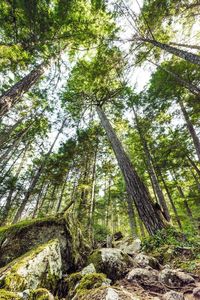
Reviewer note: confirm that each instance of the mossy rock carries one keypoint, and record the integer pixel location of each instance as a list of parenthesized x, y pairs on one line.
[(41, 294), (40, 267), (110, 261), (78, 284), (95, 294), (20, 238), (91, 281), (6, 295)]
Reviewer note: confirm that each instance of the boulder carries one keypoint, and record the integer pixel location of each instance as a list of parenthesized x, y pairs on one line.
[(107, 293), (175, 278), (128, 245), (172, 295), (112, 294), (41, 294), (110, 261), (79, 287), (142, 275), (196, 292), (18, 239), (41, 267), (90, 269), (144, 261)]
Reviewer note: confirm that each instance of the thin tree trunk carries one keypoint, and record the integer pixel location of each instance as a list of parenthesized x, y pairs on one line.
[(36, 177), (196, 179), (191, 129), (193, 165), (92, 202), (9, 199), (44, 198), (171, 201), (132, 218), (191, 57), (62, 193), (180, 190), (185, 45), (189, 212), (14, 94), (135, 187), (151, 170), (192, 88), (38, 199)]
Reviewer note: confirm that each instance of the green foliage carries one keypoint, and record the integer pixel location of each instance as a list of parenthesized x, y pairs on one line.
[(90, 281), (169, 237), (100, 232)]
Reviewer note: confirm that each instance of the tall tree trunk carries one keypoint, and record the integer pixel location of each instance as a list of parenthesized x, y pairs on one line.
[(131, 216), (135, 187), (180, 190), (38, 199), (36, 177), (193, 165), (171, 200), (191, 57), (185, 45), (62, 193), (6, 209), (92, 202), (191, 129), (14, 94), (188, 210), (151, 170)]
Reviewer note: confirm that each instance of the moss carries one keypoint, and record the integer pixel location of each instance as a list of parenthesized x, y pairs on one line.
[(90, 281), (190, 266), (6, 295), (40, 294), (169, 236), (12, 280), (72, 280), (23, 225), (96, 259)]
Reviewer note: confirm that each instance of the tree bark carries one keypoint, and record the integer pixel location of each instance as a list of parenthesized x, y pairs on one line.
[(14, 94), (191, 129), (191, 57), (171, 201), (6, 209), (135, 187), (193, 165), (132, 218), (192, 88), (185, 45), (92, 202), (151, 170), (62, 193)]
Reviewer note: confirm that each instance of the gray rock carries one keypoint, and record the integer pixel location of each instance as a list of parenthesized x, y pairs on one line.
[(175, 278), (111, 294), (18, 239), (129, 245), (110, 261), (196, 292), (144, 261), (35, 268), (142, 275), (90, 269), (172, 295)]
